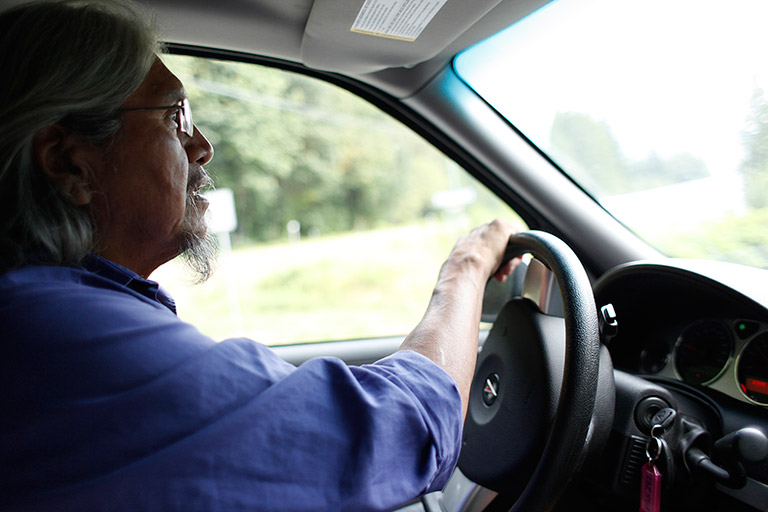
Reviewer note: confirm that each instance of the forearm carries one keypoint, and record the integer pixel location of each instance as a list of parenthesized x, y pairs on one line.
[(448, 332)]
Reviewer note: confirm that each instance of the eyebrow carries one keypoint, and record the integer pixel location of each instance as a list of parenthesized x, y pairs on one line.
[(174, 96)]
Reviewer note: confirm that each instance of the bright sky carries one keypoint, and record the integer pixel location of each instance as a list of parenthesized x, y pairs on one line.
[(671, 76)]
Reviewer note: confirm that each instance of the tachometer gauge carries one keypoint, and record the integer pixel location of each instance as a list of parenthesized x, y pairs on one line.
[(752, 370), (702, 351)]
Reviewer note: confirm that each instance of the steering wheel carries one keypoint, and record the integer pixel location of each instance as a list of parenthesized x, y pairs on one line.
[(532, 400)]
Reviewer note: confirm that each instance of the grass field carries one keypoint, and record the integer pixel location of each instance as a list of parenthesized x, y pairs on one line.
[(357, 285)]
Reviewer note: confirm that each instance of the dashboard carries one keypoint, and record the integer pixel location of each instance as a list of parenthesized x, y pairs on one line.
[(695, 334), (701, 323)]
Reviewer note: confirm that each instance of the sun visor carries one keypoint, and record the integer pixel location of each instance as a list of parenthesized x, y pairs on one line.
[(365, 36)]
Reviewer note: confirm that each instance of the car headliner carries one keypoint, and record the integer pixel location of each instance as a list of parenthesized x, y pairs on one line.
[(316, 33)]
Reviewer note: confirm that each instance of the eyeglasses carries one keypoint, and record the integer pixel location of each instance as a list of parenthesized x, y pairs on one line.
[(185, 115)]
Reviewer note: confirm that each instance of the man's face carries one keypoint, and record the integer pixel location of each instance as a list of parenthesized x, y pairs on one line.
[(146, 206)]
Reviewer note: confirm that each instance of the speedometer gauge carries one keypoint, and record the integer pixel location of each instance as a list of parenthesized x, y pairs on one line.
[(752, 370), (702, 351)]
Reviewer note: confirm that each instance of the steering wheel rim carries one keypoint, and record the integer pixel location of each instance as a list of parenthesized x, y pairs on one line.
[(566, 443)]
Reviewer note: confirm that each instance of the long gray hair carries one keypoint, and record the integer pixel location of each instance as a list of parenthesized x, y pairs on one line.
[(70, 63)]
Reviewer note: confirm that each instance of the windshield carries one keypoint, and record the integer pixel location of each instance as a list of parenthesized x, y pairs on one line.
[(655, 108)]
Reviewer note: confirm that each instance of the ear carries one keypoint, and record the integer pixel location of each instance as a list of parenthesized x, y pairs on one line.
[(65, 160)]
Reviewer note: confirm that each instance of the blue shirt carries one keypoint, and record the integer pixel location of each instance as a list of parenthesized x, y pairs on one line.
[(110, 402)]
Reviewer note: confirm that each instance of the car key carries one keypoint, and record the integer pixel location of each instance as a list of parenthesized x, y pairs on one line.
[(650, 478), (663, 419)]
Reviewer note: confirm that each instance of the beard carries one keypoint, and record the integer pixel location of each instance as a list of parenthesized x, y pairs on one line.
[(200, 249)]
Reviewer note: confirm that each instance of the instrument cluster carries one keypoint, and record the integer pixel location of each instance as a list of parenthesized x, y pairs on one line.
[(728, 355)]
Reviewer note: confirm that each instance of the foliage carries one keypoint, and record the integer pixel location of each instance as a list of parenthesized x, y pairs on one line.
[(296, 148), (588, 149), (738, 238)]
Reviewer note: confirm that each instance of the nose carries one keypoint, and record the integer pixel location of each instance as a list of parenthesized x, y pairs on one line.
[(199, 148)]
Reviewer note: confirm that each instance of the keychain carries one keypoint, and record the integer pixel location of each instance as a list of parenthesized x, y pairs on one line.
[(650, 475)]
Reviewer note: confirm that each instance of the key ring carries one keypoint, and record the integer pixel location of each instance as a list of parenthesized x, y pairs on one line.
[(655, 443), (654, 429)]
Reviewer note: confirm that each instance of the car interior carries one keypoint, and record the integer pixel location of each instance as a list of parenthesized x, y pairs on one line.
[(634, 335)]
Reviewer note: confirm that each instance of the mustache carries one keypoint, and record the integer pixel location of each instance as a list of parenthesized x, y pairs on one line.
[(198, 180)]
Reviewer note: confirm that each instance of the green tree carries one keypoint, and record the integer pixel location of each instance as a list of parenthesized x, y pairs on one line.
[(588, 149), (293, 147)]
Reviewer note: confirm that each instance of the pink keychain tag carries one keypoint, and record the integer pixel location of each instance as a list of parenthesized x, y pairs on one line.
[(650, 488)]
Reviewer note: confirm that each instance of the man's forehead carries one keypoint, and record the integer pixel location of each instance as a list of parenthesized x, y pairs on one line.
[(160, 86)]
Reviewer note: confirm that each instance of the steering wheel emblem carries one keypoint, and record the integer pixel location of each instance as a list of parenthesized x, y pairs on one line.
[(491, 389)]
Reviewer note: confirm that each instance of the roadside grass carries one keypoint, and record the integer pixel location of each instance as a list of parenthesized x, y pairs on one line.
[(737, 238), (356, 285)]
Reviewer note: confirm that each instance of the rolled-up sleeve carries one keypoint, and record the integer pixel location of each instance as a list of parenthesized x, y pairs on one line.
[(234, 427)]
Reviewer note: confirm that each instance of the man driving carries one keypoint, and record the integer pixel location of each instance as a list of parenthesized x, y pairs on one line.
[(114, 403)]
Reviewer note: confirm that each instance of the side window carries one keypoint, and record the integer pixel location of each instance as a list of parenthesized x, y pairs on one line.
[(332, 218)]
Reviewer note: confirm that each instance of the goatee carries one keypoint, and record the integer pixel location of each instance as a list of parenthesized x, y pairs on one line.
[(199, 248)]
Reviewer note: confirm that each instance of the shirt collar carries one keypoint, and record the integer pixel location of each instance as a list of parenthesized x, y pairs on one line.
[(128, 278)]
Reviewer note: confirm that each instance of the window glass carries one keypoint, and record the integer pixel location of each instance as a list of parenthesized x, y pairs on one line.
[(657, 108), (342, 214)]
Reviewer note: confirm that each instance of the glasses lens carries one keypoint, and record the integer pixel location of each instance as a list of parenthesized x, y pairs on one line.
[(187, 126)]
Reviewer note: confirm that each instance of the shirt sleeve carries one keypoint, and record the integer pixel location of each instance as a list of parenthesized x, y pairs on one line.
[(230, 426)]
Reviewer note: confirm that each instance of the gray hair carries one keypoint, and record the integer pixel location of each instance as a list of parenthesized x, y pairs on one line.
[(70, 63)]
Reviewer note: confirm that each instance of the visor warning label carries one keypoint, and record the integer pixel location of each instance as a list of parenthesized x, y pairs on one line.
[(396, 19)]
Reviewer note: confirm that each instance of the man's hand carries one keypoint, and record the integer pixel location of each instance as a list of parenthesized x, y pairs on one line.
[(484, 248)]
